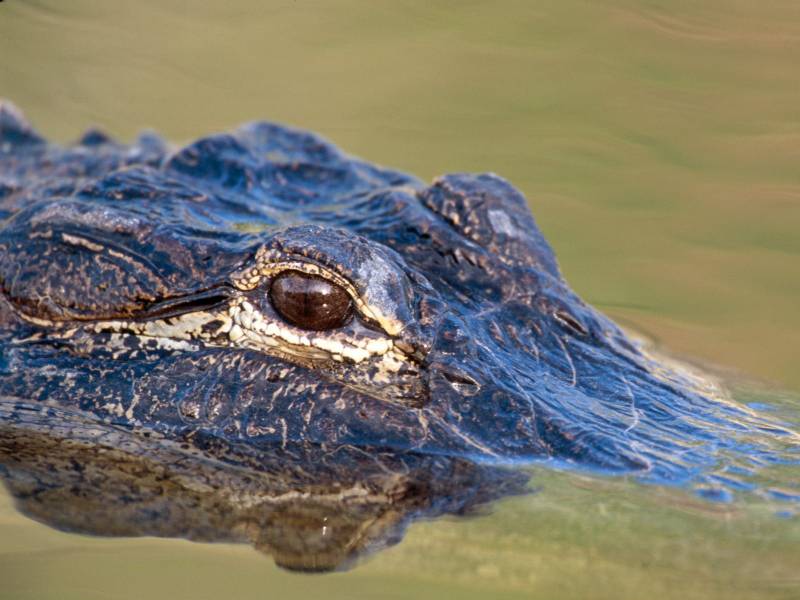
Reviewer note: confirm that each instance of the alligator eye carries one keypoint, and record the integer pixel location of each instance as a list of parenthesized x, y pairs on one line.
[(310, 302)]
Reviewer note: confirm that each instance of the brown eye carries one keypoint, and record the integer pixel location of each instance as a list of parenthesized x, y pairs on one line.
[(310, 302)]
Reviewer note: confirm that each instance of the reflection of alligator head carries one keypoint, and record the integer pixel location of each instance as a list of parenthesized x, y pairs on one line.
[(264, 289), (312, 510)]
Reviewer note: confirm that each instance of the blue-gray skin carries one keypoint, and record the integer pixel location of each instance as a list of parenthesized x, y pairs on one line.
[(495, 358)]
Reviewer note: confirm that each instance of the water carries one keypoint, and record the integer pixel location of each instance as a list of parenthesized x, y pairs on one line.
[(658, 144)]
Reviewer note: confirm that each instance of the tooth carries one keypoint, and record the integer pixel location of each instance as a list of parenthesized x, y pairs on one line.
[(235, 333)]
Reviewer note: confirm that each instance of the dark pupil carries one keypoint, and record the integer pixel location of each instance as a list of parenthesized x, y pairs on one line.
[(309, 302)]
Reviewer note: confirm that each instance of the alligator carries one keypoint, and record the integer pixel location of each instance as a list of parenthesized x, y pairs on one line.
[(266, 317)]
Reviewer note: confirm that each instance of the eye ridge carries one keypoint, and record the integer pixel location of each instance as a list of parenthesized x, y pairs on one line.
[(309, 301)]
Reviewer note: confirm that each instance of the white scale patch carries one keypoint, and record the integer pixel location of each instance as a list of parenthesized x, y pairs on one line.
[(179, 333), (249, 326), (501, 223), (246, 327)]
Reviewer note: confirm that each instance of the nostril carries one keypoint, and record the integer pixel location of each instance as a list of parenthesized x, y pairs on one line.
[(461, 382), (570, 322)]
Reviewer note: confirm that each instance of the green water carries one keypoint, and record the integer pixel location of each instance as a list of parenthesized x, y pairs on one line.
[(658, 143)]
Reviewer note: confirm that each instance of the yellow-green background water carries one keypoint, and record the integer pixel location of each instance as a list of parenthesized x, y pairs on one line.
[(659, 145)]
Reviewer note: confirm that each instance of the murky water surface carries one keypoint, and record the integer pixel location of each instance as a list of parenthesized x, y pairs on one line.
[(658, 143)]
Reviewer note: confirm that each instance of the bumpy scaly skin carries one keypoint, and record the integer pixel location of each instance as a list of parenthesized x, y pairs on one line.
[(149, 387), (134, 287)]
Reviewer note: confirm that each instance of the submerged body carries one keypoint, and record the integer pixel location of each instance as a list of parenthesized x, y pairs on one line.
[(264, 290)]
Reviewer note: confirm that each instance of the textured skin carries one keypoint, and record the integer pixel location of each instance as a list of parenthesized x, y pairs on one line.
[(493, 358)]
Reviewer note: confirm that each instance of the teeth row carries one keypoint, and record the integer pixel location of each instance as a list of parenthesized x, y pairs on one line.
[(249, 323)]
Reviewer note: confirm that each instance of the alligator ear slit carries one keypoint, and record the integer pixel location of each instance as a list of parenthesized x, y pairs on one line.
[(181, 305)]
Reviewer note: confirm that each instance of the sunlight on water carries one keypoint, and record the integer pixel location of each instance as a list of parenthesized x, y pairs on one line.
[(658, 143)]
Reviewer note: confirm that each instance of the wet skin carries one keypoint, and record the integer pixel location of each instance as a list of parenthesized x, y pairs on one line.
[(262, 289)]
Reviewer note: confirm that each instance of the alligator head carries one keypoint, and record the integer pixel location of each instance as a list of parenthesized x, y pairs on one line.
[(261, 287)]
